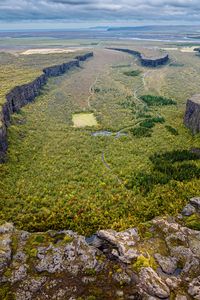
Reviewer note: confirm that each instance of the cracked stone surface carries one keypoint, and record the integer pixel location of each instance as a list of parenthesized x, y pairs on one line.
[(112, 265)]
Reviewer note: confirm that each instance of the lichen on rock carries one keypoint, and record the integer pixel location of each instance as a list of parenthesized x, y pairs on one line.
[(110, 265)]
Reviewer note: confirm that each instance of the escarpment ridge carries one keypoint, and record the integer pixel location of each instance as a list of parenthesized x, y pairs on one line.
[(192, 114), (19, 96), (146, 61)]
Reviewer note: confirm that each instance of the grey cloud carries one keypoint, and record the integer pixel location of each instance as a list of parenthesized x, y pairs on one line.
[(16, 10)]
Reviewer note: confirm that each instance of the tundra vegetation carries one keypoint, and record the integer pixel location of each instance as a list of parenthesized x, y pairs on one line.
[(60, 176)]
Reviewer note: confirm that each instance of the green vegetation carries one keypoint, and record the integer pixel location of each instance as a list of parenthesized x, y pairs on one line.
[(145, 127), (20, 69), (150, 122), (177, 65), (168, 166), (144, 262), (5, 293), (193, 222), (55, 176), (132, 73), (172, 130), (157, 100), (141, 132)]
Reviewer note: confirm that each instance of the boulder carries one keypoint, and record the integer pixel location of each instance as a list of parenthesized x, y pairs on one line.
[(195, 202), (167, 264), (123, 243), (152, 284), (188, 210)]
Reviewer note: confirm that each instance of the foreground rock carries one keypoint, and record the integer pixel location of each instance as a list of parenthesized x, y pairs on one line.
[(192, 114), (110, 265)]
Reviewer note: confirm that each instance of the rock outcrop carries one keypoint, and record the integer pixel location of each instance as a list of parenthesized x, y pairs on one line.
[(160, 263), (192, 114), (21, 95), (146, 61)]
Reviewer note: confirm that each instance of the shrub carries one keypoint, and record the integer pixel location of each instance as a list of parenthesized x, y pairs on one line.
[(172, 130), (132, 73), (157, 100), (193, 222), (144, 262), (141, 132), (166, 167)]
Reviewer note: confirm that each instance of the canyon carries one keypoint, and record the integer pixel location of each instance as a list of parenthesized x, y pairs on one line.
[(24, 94)]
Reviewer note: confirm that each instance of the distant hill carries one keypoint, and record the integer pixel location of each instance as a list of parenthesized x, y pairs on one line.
[(163, 28)]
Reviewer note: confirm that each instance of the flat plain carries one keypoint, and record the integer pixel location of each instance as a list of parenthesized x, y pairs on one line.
[(60, 176)]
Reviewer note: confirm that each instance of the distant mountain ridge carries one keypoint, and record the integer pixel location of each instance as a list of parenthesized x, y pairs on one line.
[(157, 28)]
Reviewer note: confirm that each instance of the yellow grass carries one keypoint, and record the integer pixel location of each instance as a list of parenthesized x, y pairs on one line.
[(84, 119), (170, 49), (188, 49)]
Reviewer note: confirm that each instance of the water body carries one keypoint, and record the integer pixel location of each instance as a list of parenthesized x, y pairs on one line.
[(108, 133), (18, 40), (102, 133)]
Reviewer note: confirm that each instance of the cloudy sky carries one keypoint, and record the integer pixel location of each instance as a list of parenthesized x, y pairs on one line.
[(74, 13)]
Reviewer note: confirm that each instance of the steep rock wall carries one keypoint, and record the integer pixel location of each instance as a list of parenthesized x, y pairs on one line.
[(192, 114), (21, 95), (145, 61)]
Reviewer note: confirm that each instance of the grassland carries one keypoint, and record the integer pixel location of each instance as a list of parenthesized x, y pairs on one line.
[(58, 176), (16, 69)]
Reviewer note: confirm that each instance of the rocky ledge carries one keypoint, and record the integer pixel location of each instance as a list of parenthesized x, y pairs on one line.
[(21, 95), (161, 261), (146, 61), (192, 114)]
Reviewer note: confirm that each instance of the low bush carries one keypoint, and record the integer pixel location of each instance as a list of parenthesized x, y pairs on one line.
[(168, 166), (157, 100), (150, 122), (141, 131), (132, 73), (172, 130)]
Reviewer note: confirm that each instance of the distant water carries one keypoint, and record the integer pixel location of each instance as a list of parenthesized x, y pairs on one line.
[(147, 35), (20, 41)]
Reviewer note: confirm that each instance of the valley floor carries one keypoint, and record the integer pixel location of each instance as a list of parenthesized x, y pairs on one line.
[(60, 176)]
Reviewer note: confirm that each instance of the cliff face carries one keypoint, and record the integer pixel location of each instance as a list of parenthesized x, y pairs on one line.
[(21, 95), (162, 264), (154, 62), (192, 114), (145, 61)]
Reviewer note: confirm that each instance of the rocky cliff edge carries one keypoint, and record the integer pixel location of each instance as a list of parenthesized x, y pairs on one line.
[(162, 261)]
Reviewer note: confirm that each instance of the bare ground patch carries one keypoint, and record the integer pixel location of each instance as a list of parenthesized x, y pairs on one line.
[(84, 119)]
